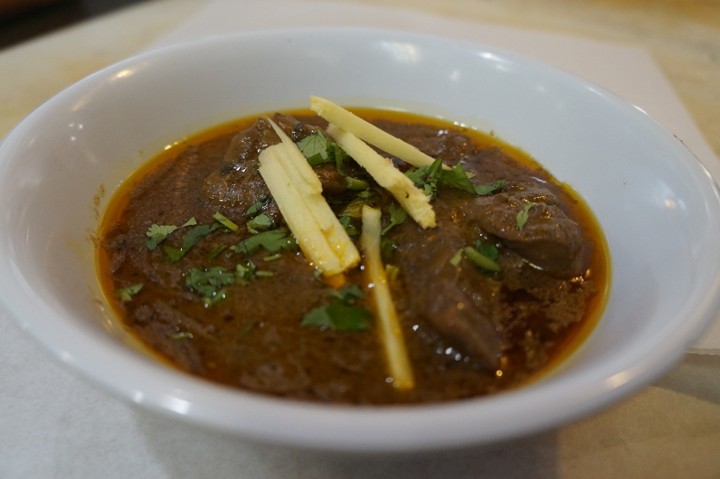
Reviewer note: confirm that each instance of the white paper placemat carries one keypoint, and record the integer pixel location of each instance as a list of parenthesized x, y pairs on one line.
[(629, 72)]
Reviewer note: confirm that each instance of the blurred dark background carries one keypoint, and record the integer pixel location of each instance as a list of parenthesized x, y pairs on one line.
[(22, 20)]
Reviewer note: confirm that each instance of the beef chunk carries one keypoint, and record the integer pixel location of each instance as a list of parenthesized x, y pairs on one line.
[(445, 296), (239, 184), (550, 239)]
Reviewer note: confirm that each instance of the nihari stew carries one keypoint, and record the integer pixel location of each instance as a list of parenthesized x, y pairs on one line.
[(364, 257)]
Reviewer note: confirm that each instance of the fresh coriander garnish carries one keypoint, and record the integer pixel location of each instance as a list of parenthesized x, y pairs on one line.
[(348, 294), (457, 178), (209, 283), (248, 271), (342, 313), (127, 293), (261, 222), (258, 206), (489, 188), (522, 217), (318, 149), (429, 178), (388, 248), (273, 241), (426, 177), (245, 272), (484, 255), (487, 249), (355, 184), (397, 217), (480, 260), (191, 238), (158, 233), (347, 223), (225, 221), (338, 317)]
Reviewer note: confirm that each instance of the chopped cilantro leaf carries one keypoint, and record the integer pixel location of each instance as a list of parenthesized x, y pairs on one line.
[(248, 271), (209, 283), (127, 293), (339, 317), (225, 221), (340, 156), (196, 234), (417, 175), (191, 238), (522, 217), (316, 148), (341, 313), (355, 184), (272, 241), (157, 234), (484, 255), (173, 254), (398, 215), (258, 206), (261, 222), (430, 177), (426, 177), (490, 188), (387, 249), (487, 249), (348, 294), (457, 177), (245, 272), (480, 260), (347, 223)]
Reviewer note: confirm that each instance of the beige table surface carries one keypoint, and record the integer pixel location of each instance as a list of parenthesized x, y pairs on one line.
[(53, 424)]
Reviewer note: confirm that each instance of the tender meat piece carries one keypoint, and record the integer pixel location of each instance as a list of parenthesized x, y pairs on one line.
[(550, 239), (461, 304), (164, 327), (238, 183), (294, 128), (440, 292)]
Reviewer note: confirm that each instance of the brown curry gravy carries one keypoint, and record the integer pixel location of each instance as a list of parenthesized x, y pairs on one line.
[(245, 341)]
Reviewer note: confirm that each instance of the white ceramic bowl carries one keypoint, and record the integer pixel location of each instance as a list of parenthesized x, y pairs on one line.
[(657, 205)]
